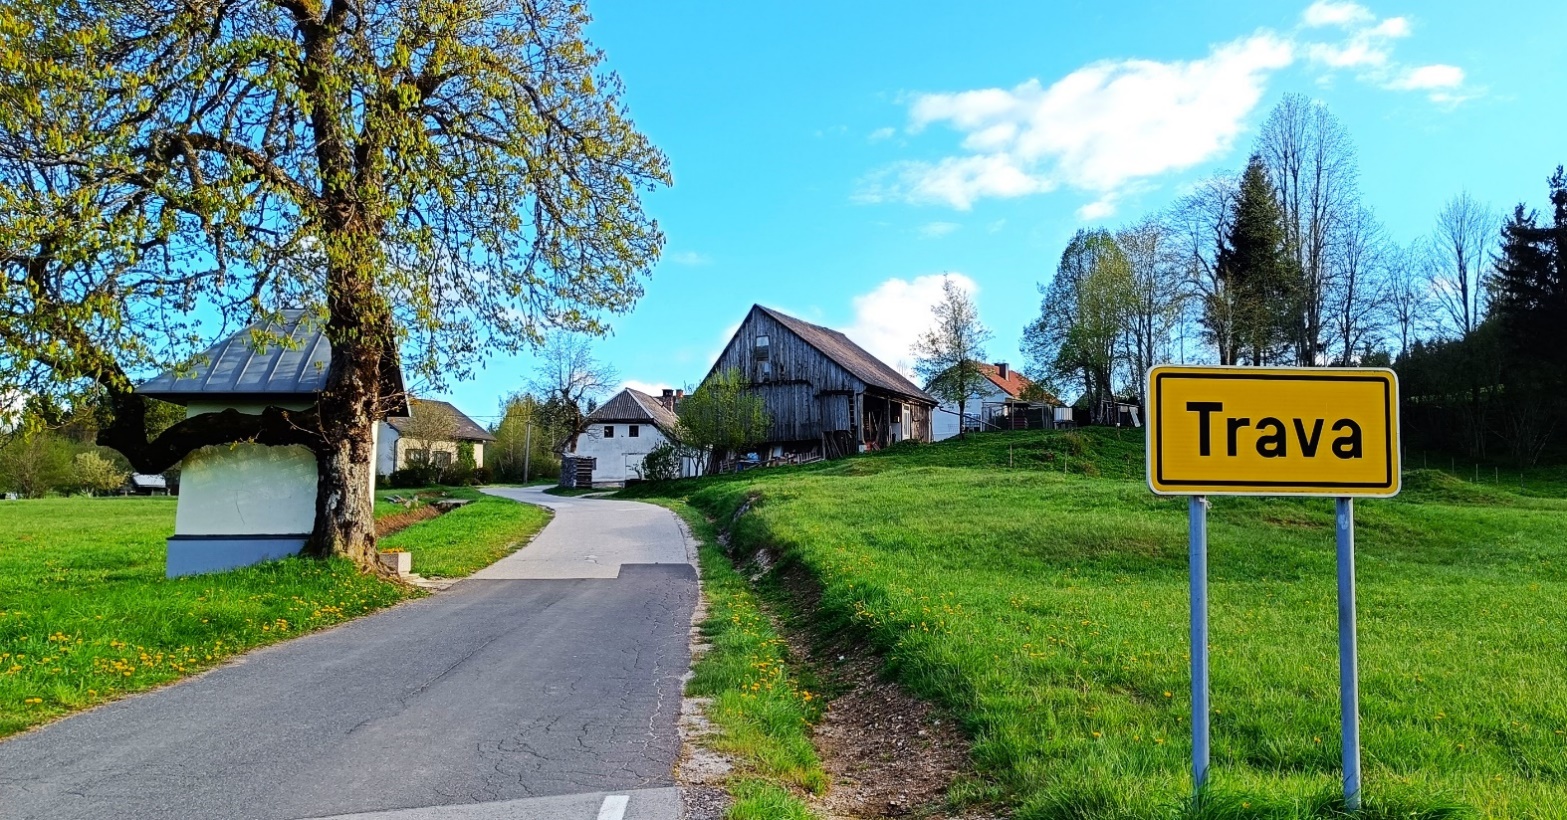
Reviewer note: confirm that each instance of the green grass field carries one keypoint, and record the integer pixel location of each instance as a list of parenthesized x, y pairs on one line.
[(1045, 604), (86, 614)]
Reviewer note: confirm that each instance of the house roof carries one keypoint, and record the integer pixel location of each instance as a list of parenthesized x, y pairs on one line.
[(1013, 385), (467, 428), (635, 405), (850, 356), (253, 363)]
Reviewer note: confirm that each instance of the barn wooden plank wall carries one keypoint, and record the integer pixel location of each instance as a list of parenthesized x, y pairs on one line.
[(813, 401)]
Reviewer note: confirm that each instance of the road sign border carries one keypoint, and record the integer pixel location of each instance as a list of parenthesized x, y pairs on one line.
[(1387, 377)]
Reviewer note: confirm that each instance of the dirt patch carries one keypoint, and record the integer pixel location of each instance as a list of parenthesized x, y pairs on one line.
[(888, 753), (386, 525)]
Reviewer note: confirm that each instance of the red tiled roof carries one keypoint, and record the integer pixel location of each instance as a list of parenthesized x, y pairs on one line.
[(1013, 385)]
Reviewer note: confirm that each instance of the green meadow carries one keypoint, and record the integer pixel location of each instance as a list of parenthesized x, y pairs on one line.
[(86, 614), (1033, 586)]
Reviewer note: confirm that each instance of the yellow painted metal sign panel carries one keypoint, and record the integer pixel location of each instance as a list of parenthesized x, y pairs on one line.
[(1273, 431)]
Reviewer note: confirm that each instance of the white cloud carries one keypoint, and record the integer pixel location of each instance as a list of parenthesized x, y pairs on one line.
[(1429, 77), (1098, 209), (1111, 127), (1368, 50), (1325, 13), (889, 318), (881, 133), (1096, 129), (690, 258), (650, 388), (935, 229), (1367, 46)]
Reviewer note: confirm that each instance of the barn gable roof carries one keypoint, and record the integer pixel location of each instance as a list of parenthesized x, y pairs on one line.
[(635, 405), (850, 356)]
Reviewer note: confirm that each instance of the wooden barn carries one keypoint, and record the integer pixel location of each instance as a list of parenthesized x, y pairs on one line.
[(825, 395)]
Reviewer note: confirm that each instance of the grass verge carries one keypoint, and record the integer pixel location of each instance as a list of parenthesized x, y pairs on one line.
[(470, 537), (1047, 609), (86, 614), (759, 705)]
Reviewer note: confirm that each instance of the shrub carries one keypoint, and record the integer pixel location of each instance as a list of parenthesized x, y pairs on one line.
[(482, 475), (97, 474), (417, 475), (662, 463)]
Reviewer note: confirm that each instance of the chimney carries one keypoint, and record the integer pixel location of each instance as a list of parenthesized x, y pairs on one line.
[(1002, 370), (668, 399)]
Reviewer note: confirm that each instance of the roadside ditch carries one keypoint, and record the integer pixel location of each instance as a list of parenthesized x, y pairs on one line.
[(870, 749)]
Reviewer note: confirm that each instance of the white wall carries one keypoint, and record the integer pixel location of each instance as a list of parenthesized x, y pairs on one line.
[(386, 449), (246, 489), (615, 455), (391, 453), (944, 419)]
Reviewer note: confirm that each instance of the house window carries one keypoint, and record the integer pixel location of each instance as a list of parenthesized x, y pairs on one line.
[(441, 458), (635, 431), (609, 431), (760, 350), (418, 456)]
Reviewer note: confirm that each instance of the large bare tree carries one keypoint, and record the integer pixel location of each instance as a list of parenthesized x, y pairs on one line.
[(571, 379), (1311, 163), (441, 179), (1359, 287), (1157, 296), (1198, 224), (1460, 247)]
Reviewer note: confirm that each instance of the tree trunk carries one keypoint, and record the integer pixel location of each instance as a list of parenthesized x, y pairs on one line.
[(345, 461)]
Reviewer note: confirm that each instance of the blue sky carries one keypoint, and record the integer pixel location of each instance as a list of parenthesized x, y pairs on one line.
[(833, 159)]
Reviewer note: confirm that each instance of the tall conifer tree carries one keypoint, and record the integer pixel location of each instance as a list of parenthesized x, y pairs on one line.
[(1258, 271)]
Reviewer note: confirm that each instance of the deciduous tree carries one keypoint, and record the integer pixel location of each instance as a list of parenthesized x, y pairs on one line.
[(439, 179), (721, 416), (1077, 337), (571, 380), (948, 354), (1311, 162)]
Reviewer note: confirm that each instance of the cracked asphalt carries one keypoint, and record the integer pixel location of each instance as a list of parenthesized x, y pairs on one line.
[(522, 682)]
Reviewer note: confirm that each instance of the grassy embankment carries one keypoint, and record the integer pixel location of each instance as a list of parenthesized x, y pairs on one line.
[(1048, 611), (87, 616), (761, 708)]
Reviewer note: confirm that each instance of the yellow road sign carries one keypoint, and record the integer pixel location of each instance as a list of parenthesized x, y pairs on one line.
[(1273, 431)]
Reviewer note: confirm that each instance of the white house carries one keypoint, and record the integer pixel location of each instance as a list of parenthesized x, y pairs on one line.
[(987, 408), (244, 503), (398, 445), (622, 432)]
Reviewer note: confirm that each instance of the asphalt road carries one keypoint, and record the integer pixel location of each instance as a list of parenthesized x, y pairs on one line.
[(529, 690)]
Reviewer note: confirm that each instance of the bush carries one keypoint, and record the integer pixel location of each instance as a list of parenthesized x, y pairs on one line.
[(96, 474), (482, 475), (662, 463), (417, 475)]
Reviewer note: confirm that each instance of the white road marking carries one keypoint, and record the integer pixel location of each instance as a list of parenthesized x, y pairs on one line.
[(614, 807)]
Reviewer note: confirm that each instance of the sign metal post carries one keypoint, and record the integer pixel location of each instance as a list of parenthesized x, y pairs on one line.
[(1329, 432), (1198, 515), (1348, 666)]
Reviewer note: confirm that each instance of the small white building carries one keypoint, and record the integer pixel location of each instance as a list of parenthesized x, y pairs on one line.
[(987, 408), (397, 445), (622, 432), (243, 503)]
